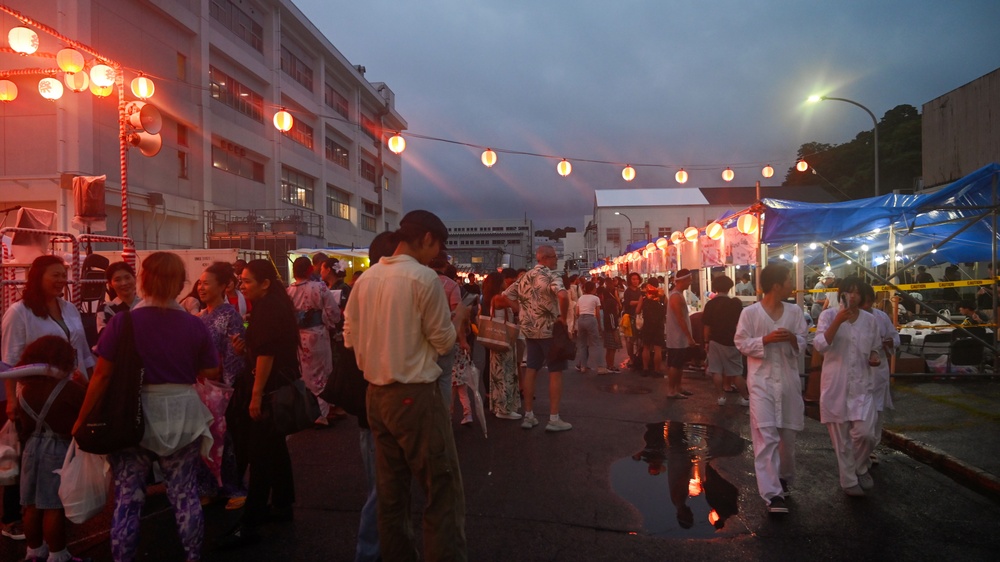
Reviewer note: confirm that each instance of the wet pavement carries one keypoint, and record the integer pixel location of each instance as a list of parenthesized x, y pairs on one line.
[(582, 495)]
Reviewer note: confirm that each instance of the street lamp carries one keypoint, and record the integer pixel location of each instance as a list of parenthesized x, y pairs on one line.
[(814, 99), (629, 227)]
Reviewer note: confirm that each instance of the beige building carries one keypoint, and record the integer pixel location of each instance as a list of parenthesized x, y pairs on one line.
[(961, 131), (224, 176)]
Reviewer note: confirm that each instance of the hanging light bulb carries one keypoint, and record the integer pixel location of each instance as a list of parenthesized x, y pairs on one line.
[(22, 40), (714, 231), (78, 81), (100, 91), (628, 174), (564, 167), (681, 176), (8, 90), (747, 224), (767, 171), (397, 143), (50, 88), (102, 75), (142, 87), (70, 60), (489, 158), (662, 243), (899, 247), (691, 234), (801, 166), (728, 174), (283, 121)]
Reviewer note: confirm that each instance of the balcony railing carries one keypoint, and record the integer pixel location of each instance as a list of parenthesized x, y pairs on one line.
[(265, 222)]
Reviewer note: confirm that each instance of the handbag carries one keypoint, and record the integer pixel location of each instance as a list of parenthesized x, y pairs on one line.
[(495, 334), (562, 348), (116, 421), (637, 323), (10, 454), (291, 407), (83, 484)]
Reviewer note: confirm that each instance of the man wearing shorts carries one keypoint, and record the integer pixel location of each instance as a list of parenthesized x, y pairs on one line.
[(677, 332), (725, 363), (541, 300)]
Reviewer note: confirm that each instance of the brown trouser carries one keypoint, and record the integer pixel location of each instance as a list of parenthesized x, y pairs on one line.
[(413, 438)]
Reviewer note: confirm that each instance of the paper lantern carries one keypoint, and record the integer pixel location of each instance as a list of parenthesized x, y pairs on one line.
[(489, 158), (681, 176), (801, 166), (767, 172), (650, 247), (690, 234), (8, 90), (102, 75), (70, 60), (100, 91), (397, 144), (728, 174), (714, 231), (283, 121), (628, 174), (142, 87), (564, 168), (50, 88), (22, 40), (675, 237), (662, 243), (747, 224), (78, 82)]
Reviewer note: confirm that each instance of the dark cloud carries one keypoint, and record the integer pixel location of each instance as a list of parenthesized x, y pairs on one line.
[(699, 85)]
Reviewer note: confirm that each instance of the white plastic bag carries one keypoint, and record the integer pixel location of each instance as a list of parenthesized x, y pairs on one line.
[(83, 488), (10, 454)]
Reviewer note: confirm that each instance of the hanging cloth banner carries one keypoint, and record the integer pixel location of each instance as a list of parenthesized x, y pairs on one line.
[(671, 257), (742, 248), (712, 254), (691, 255)]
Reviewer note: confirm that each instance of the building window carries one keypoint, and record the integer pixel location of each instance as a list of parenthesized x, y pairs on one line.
[(182, 164), (337, 154), (614, 236), (232, 158), (368, 171), (296, 68), (182, 67), (237, 96), (338, 203), (334, 99), (301, 133), (182, 135), (369, 127), (664, 232), (237, 21), (297, 188), (368, 216)]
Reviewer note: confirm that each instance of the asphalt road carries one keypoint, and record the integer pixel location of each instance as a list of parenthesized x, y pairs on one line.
[(581, 495)]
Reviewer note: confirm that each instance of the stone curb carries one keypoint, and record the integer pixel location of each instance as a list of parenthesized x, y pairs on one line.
[(965, 474)]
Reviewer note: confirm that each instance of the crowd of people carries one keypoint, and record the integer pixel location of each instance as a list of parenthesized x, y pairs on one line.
[(393, 347)]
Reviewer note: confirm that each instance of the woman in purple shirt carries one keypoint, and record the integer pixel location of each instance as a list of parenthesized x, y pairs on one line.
[(175, 348)]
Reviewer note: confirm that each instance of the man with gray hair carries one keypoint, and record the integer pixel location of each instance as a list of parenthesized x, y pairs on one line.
[(542, 300)]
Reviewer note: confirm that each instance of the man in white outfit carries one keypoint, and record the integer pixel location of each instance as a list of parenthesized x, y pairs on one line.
[(772, 334), (849, 340), (890, 340)]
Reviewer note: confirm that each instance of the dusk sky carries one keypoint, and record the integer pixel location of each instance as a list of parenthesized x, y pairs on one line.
[(699, 85)]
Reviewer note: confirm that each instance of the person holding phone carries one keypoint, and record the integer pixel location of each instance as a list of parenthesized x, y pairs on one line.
[(849, 340)]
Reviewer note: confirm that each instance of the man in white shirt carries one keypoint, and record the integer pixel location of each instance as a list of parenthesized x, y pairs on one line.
[(772, 334), (405, 325)]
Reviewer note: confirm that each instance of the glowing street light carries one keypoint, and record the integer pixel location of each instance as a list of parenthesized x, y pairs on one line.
[(816, 98), (629, 226)]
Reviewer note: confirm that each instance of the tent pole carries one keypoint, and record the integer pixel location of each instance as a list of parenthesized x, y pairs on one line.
[(996, 305), (914, 261)]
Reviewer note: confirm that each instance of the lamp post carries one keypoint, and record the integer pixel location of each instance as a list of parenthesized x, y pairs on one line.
[(629, 227), (814, 99)]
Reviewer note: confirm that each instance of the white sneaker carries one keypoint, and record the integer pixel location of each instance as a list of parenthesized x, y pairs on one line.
[(721, 401), (529, 422), (558, 425), (744, 401), (510, 416)]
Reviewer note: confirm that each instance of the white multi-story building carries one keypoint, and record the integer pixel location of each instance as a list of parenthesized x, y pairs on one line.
[(483, 246), (224, 176)]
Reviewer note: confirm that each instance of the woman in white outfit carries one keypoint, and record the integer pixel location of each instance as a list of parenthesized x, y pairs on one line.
[(849, 340)]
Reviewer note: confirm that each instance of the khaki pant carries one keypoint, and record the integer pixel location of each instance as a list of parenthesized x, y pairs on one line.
[(413, 439)]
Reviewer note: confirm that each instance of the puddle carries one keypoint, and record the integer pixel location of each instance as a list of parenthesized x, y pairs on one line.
[(672, 481), (625, 389)]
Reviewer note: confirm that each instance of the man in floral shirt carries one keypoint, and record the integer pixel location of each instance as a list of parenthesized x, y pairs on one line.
[(543, 301)]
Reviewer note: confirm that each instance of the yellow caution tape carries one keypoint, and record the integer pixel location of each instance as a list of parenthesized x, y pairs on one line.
[(917, 286)]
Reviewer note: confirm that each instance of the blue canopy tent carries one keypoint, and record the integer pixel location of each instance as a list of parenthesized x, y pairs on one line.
[(920, 221)]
